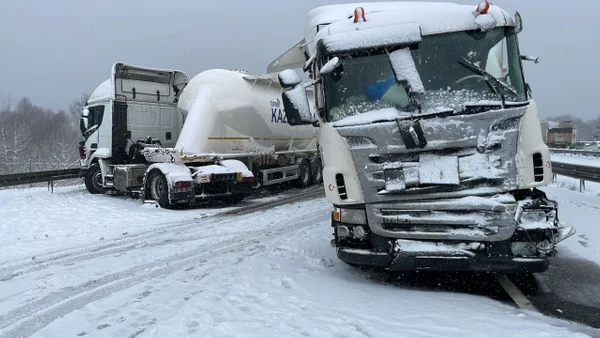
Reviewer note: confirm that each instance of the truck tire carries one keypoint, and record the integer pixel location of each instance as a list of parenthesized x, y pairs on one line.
[(317, 173), (93, 179), (304, 174), (157, 188)]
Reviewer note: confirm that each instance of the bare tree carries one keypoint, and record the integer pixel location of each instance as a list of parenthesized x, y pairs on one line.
[(33, 138), (76, 107)]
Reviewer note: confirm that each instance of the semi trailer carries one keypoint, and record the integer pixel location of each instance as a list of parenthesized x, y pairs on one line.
[(221, 135), (433, 158)]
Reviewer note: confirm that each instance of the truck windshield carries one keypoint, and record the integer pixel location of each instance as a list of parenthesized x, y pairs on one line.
[(366, 82)]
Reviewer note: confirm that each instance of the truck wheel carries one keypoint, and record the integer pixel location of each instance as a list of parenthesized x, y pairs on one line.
[(317, 174), (304, 174), (157, 188), (93, 179)]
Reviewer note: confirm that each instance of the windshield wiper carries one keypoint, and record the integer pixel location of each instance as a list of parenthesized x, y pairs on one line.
[(489, 78)]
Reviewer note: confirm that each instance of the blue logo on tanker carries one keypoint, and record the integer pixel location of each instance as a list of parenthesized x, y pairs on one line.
[(277, 114)]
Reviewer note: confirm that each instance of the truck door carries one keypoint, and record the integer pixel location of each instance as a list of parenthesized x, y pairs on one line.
[(119, 132), (90, 123)]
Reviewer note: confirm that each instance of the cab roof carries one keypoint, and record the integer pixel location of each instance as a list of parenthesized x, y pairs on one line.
[(432, 17)]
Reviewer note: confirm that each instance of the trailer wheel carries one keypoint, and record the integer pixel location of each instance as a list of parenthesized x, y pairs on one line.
[(93, 179), (157, 188), (317, 174), (304, 174)]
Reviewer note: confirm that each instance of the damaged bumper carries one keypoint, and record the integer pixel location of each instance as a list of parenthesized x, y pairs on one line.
[(498, 234), (436, 260)]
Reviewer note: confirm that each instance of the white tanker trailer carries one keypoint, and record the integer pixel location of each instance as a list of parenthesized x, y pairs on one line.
[(149, 132)]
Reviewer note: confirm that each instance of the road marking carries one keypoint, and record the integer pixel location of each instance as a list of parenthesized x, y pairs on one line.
[(513, 291)]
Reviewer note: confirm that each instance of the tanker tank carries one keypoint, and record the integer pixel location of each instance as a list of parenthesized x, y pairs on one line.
[(232, 112)]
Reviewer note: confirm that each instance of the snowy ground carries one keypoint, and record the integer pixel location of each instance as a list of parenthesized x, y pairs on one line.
[(34, 221), (572, 183), (267, 274)]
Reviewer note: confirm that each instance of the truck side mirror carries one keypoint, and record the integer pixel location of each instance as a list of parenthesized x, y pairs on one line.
[(83, 125), (289, 78), (535, 59), (518, 23), (295, 105), (330, 66)]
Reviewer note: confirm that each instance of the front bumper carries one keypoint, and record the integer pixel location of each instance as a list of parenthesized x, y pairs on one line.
[(516, 238), (435, 261)]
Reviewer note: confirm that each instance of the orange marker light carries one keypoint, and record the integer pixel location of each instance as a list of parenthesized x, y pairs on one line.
[(483, 7), (359, 15), (336, 215)]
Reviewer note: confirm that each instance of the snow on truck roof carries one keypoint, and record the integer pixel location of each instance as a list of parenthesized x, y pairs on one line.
[(432, 17), (328, 14)]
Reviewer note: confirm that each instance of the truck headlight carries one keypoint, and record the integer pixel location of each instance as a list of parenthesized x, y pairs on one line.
[(353, 216)]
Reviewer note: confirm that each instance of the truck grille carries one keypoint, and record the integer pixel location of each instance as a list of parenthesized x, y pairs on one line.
[(456, 219)]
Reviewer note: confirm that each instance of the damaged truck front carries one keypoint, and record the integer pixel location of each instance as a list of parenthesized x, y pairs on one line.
[(433, 155)]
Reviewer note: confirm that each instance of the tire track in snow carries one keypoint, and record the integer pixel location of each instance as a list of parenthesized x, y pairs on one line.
[(38, 314), (74, 255)]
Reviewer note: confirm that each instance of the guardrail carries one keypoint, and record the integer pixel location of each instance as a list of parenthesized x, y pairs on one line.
[(592, 153), (581, 172), (39, 177)]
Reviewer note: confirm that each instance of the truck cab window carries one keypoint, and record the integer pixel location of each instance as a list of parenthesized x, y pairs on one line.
[(94, 120)]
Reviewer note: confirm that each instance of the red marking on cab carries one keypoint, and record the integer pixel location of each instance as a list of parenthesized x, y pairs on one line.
[(331, 187)]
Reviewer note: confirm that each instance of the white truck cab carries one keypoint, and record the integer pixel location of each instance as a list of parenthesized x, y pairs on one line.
[(430, 137), (134, 104)]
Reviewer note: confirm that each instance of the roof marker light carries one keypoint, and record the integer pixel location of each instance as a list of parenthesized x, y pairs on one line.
[(483, 8), (359, 15)]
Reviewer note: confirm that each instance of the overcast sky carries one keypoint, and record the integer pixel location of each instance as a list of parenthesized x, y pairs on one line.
[(52, 51)]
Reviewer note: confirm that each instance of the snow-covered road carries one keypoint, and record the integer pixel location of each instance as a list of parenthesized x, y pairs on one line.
[(576, 159), (270, 273)]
